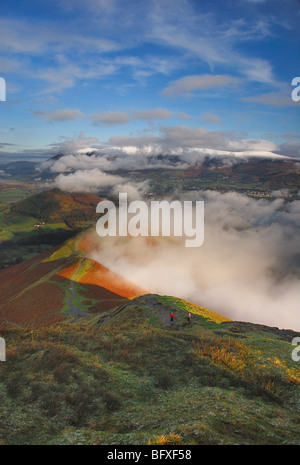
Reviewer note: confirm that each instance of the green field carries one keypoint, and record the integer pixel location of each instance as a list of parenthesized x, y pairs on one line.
[(21, 209), (19, 240), (15, 194)]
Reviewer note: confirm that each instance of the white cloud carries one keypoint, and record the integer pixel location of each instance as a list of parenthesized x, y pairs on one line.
[(60, 115), (247, 269), (85, 181), (189, 84), (155, 113), (111, 118), (209, 118), (277, 99), (181, 146), (197, 137), (133, 191), (290, 149), (29, 37)]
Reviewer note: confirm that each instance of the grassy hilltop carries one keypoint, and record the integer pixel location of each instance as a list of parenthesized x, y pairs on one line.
[(126, 376)]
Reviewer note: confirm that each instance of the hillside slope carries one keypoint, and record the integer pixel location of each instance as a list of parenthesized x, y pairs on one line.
[(55, 206), (93, 359), (127, 376), (38, 222), (58, 284)]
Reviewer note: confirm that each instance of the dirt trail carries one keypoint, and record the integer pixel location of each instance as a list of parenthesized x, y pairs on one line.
[(73, 309)]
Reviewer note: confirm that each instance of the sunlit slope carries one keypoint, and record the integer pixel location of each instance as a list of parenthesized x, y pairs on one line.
[(156, 309), (57, 284), (186, 306), (89, 272), (54, 206)]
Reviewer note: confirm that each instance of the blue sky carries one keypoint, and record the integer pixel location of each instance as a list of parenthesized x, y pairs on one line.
[(155, 74)]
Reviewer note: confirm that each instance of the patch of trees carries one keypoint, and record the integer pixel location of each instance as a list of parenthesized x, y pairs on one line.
[(37, 207)]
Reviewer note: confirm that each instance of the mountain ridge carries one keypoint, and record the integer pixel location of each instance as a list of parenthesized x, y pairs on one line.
[(86, 365), (130, 377)]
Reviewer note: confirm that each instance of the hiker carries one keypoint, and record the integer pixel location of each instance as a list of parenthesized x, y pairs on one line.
[(172, 318), (189, 317)]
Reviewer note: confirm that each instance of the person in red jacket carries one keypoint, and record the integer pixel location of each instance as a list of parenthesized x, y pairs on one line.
[(172, 318)]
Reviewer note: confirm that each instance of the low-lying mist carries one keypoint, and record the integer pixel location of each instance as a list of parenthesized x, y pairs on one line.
[(247, 269)]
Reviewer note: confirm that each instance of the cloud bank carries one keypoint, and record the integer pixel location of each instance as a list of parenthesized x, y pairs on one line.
[(248, 268), (174, 147)]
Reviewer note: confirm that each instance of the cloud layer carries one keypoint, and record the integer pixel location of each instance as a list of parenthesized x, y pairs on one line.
[(247, 269)]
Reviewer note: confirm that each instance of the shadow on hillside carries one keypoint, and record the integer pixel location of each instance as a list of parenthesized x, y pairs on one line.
[(16, 250)]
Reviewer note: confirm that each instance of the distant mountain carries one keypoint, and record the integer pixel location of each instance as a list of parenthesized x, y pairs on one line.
[(54, 206), (17, 168), (235, 171), (88, 152)]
